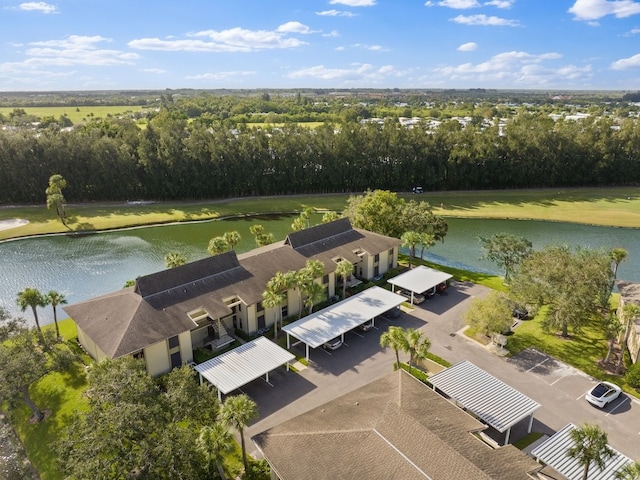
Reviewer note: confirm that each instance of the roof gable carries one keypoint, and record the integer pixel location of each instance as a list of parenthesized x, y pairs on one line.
[(318, 232)]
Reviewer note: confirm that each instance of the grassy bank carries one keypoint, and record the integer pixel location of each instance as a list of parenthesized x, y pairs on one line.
[(619, 207)]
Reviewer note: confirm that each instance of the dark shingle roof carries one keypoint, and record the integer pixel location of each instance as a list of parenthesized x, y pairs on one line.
[(395, 427), (318, 232)]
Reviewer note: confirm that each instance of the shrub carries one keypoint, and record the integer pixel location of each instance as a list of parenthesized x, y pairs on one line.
[(633, 375)]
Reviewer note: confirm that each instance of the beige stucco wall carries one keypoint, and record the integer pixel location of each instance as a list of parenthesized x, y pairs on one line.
[(157, 358), (90, 346), (186, 347), (633, 345)]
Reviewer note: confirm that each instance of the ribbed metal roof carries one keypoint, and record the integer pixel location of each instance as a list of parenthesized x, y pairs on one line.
[(553, 452), (331, 322), (236, 368), (492, 400), (419, 279)]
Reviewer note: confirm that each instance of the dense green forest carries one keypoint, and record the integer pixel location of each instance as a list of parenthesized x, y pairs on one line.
[(216, 146)]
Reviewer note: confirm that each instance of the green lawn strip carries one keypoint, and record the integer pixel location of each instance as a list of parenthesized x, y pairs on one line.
[(75, 114), (527, 440)]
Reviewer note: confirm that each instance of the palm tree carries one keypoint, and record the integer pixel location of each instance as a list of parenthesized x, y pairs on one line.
[(315, 294), (631, 471), (630, 312), (232, 238), (273, 298), (411, 239), (174, 259), (54, 299), (416, 346), (217, 245), (395, 338), (330, 217), (237, 411), (31, 297), (618, 255), (55, 198), (426, 241), (213, 442), (613, 328), (344, 269), (589, 446)]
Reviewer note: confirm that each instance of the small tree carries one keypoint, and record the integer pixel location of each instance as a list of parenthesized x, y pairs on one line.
[(314, 294), (612, 327), (262, 237), (214, 442), (631, 471), (589, 446), (237, 411), (410, 239), (490, 314), (343, 270), (506, 251), (395, 338), (416, 345), (31, 297), (633, 375), (273, 298), (426, 241), (232, 238), (217, 245), (330, 217), (174, 259)]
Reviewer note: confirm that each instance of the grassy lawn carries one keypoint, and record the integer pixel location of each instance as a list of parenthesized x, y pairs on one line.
[(611, 206), (74, 114)]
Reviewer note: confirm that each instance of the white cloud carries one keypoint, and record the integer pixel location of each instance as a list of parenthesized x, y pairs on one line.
[(501, 3), (516, 68), (485, 20), (332, 33), (627, 63), (293, 27), (457, 4), (219, 75), (76, 50), (158, 71), (468, 47), (336, 13), (38, 7), (354, 3), (633, 31), (595, 9), (358, 72), (232, 40), (339, 49)]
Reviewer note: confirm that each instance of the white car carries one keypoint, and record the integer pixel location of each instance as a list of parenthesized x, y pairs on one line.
[(417, 298), (602, 394), (333, 344)]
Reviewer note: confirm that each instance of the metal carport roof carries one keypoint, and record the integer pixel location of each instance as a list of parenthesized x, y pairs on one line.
[(419, 279), (335, 320), (553, 452), (493, 401), (233, 369)]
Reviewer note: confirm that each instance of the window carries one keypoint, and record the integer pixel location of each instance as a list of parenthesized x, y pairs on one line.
[(259, 307), (174, 342), (285, 311), (376, 258), (325, 279), (261, 321), (139, 355), (176, 360)]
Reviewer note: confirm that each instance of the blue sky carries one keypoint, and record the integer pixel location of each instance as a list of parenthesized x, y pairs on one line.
[(135, 44)]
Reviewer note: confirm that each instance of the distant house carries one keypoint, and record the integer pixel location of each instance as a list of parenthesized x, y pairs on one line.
[(630, 293), (393, 428), (169, 313)]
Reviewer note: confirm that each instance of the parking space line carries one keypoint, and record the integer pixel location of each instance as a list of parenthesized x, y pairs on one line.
[(538, 364), (557, 380), (616, 407)]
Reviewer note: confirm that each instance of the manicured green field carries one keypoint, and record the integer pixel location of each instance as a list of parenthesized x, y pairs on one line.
[(618, 207), (75, 114)]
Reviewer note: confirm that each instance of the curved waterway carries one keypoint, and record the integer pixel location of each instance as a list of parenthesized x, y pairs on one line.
[(85, 266)]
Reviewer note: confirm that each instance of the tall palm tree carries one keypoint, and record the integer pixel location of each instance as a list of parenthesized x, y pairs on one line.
[(237, 411), (232, 238), (31, 297), (631, 471), (613, 328), (417, 346), (630, 312), (618, 255), (314, 294), (410, 239), (54, 299), (395, 338), (343, 270), (174, 259), (213, 442), (589, 446), (273, 298)]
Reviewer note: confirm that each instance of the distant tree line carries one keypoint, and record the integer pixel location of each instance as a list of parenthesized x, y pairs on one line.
[(177, 158)]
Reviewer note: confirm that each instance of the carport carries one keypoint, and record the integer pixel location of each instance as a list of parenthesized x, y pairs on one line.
[(493, 401), (419, 280), (243, 364), (334, 321), (553, 452)]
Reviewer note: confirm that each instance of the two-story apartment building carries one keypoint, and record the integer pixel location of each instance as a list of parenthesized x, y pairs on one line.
[(169, 313)]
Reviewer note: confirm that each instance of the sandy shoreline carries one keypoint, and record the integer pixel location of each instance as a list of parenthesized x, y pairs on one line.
[(12, 223)]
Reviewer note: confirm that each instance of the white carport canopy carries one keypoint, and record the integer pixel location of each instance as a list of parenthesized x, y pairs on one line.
[(334, 321), (419, 279), (493, 401), (233, 369), (553, 452)]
